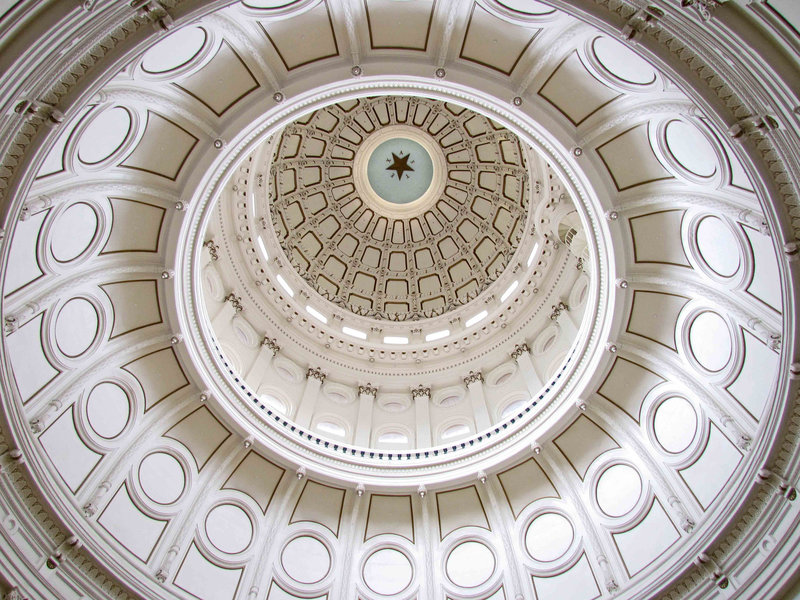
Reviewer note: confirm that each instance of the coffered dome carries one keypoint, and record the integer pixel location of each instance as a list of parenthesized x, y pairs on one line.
[(431, 300), (403, 244)]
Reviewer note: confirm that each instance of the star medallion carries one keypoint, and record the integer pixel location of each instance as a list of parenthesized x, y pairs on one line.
[(400, 165)]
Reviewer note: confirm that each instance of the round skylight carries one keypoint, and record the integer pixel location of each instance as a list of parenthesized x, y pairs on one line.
[(400, 170)]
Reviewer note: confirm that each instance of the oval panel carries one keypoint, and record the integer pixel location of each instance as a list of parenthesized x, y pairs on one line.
[(273, 403), (104, 135), (622, 62), (394, 403), (710, 341), (175, 50), (470, 564), (73, 232), (675, 424), (548, 537), (306, 560), (718, 246), (108, 409), (514, 408), (229, 528), (76, 328), (691, 148), (388, 571), (162, 478), (268, 3), (618, 490), (527, 7)]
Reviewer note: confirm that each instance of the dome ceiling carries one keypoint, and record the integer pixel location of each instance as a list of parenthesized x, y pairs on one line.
[(364, 255), (190, 411), (323, 210)]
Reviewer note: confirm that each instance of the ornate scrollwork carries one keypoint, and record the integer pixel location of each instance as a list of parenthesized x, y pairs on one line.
[(316, 373), (557, 310), (420, 392), (213, 249), (519, 350), (272, 344), (473, 377), (236, 301), (367, 390)]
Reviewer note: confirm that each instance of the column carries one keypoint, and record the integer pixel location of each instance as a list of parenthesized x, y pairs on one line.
[(366, 400), (567, 324), (314, 379), (233, 305), (255, 375), (477, 397), (422, 399), (522, 355)]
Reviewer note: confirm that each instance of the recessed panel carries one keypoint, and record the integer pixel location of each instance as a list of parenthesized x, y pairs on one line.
[(108, 409), (137, 532), (710, 341), (493, 43), (104, 135), (162, 149), (304, 39), (229, 528), (205, 579), (470, 564), (630, 159), (175, 50), (222, 82), (576, 583), (618, 490), (32, 368), (648, 541), (691, 148), (753, 386), (548, 537), (675, 424), (399, 25), (306, 560), (73, 232), (621, 62), (76, 327), (718, 246), (70, 455), (388, 571), (162, 477)]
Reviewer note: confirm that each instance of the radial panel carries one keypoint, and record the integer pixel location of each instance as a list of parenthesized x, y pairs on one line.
[(390, 514), (201, 433), (460, 508), (320, 503)]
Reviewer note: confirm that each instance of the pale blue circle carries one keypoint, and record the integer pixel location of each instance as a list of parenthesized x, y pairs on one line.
[(412, 184)]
